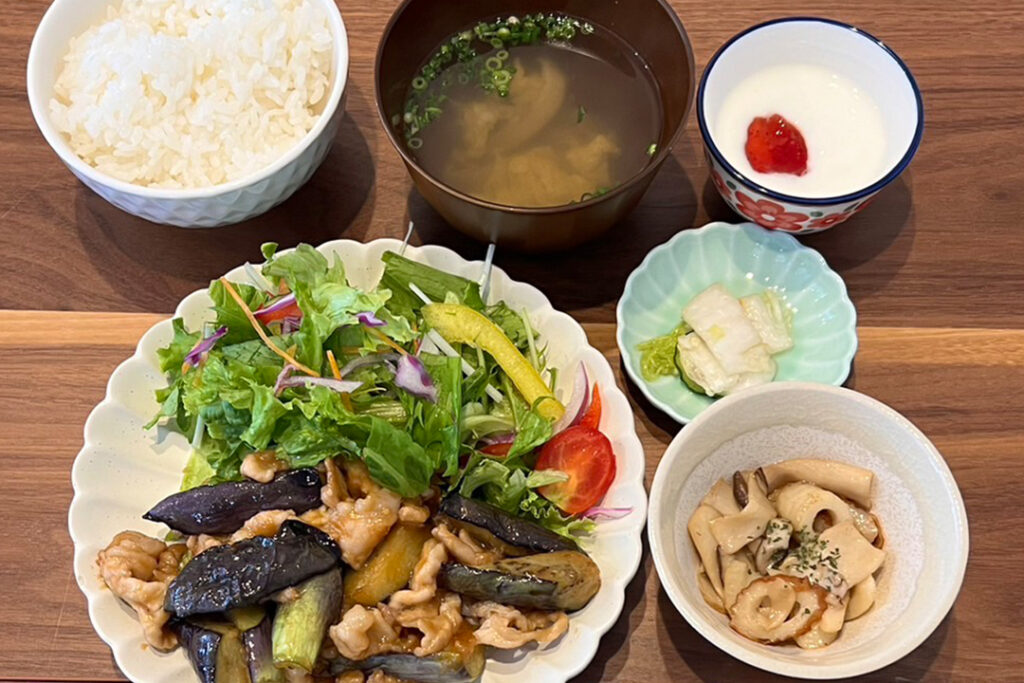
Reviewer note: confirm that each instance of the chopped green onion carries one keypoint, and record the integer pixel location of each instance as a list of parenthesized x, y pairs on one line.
[(652, 149), (492, 74), (414, 143), (581, 114)]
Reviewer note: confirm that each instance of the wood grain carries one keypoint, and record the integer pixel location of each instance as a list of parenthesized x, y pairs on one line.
[(941, 247), (935, 267), (961, 386)]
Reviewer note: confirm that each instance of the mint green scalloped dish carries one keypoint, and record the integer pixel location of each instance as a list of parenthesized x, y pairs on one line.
[(745, 259)]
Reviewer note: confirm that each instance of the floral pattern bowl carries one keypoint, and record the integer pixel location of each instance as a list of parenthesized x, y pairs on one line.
[(841, 48), (744, 259)]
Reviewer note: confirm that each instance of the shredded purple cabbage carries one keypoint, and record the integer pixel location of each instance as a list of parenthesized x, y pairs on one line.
[(413, 377), (204, 347)]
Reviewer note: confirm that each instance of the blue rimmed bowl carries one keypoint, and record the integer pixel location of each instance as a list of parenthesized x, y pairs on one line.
[(841, 48), (745, 259)]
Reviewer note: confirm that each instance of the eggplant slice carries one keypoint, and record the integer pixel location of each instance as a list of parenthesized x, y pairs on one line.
[(216, 655), (444, 667), (250, 571), (563, 580), (499, 529), (224, 508), (260, 656)]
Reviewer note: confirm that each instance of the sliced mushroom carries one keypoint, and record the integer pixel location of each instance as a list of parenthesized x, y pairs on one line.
[(707, 591), (862, 597), (777, 608), (834, 615), (721, 498), (739, 489), (762, 480), (846, 480), (827, 629), (879, 541), (735, 531), (865, 523), (776, 539), (855, 558), (704, 541), (815, 638), (737, 574)]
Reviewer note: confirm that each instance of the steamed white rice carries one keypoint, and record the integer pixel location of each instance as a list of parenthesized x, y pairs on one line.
[(194, 93)]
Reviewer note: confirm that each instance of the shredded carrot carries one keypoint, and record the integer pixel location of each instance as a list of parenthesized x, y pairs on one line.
[(384, 338), (259, 330), (334, 364)]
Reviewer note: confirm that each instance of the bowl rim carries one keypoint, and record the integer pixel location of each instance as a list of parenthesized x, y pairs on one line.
[(675, 451), (652, 166), (628, 354), (56, 141), (891, 175)]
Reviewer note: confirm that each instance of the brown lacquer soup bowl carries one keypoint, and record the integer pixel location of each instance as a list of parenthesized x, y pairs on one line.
[(649, 27)]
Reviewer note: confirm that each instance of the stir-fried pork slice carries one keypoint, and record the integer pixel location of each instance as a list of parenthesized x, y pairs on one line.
[(262, 466), (464, 547), (137, 569), (507, 628), (437, 620), (364, 632), (423, 584)]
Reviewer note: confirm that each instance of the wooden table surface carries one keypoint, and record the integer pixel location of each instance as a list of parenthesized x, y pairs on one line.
[(935, 267)]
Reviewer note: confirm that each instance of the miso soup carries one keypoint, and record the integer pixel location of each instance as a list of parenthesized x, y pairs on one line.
[(533, 123)]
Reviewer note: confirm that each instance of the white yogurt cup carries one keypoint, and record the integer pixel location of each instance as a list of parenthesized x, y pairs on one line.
[(858, 83)]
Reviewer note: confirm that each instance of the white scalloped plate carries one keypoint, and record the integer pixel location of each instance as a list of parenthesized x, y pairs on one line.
[(123, 470), (745, 259)]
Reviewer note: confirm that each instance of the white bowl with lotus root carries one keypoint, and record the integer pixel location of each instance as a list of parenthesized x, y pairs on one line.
[(912, 494)]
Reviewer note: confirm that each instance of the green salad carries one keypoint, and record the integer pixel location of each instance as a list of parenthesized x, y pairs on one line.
[(300, 364)]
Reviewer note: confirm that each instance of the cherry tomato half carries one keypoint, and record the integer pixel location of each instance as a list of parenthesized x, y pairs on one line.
[(499, 450), (584, 454)]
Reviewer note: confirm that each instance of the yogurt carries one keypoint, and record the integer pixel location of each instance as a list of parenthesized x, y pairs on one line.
[(841, 124)]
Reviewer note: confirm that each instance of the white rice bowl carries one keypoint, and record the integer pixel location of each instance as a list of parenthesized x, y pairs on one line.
[(193, 93)]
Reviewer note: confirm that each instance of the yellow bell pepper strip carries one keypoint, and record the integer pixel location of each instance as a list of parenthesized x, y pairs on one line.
[(460, 324)]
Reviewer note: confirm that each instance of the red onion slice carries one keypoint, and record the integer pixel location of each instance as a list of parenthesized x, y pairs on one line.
[(282, 303), (369, 319), (413, 377), (285, 380), (196, 354), (578, 403), (495, 439), (596, 513), (283, 376), (366, 361), (339, 385)]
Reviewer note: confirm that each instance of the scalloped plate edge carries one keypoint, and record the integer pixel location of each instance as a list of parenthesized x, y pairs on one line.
[(589, 627)]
